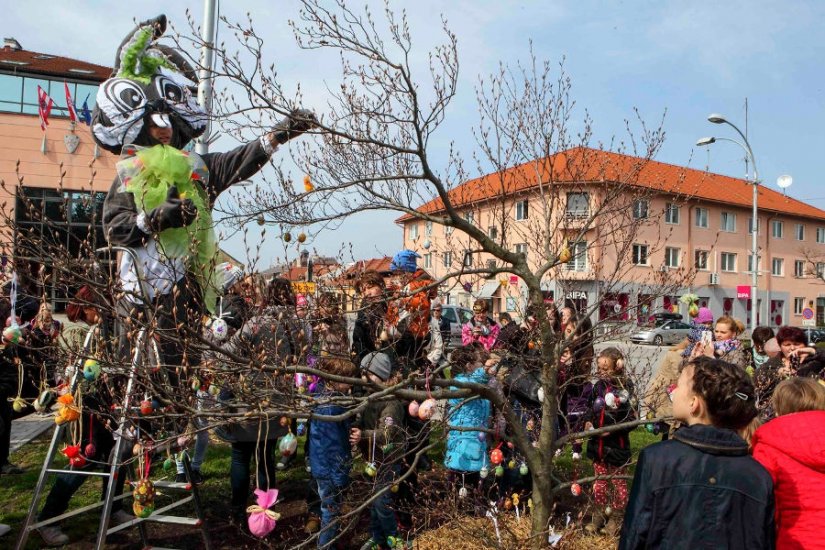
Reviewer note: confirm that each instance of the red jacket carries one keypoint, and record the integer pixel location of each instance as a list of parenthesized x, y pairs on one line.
[(792, 449)]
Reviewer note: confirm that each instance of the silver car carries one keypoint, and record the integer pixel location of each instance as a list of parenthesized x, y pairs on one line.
[(669, 332), (457, 316)]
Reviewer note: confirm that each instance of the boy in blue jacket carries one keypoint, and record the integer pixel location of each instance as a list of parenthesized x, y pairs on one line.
[(331, 468)]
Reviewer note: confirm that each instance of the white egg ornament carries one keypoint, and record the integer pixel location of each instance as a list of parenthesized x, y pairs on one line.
[(218, 329), (462, 493), (483, 472), (427, 244), (610, 400), (288, 445), (427, 409)]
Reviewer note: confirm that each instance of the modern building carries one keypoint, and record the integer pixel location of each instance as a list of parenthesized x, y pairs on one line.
[(60, 172), (658, 231)]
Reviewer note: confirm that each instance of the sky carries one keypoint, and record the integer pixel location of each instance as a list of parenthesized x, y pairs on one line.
[(672, 58)]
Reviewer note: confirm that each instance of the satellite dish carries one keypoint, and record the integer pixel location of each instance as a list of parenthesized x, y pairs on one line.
[(784, 181)]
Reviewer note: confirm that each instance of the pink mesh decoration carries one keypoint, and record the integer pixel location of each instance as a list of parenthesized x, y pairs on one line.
[(262, 520)]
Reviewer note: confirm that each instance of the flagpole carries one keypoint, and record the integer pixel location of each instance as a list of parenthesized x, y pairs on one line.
[(205, 74)]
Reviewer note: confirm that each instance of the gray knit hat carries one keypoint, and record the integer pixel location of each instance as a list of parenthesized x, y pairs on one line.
[(378, 363)]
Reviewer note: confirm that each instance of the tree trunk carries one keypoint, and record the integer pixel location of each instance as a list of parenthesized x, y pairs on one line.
[(542, 505)]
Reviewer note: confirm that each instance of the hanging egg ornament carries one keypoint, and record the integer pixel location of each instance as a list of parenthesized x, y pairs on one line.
[(91, 370), (288, 445), (146, 407), (287, 237), (427, 244), (370, 469), (19, 404), (196, 384), (218, 329), (38, 407), (499, 470), (427, 409), (302, 237), (412, 408), (90, 450), (462, 493), (301, 428), (144, 491), (214, 390), (261, 220), (168, 465), (610, 400), (598, 404), (394, 488), (482, 436), (565, 255), (496, 456), (308, 186), (12, 334), (77, 462), (650, 428), (531, 425), (693, 310), (71, 451), (523, 469), (624, 396), (576, 489), (141, 510), (512, 464), (46, 398), (483, 472), (66, 399)]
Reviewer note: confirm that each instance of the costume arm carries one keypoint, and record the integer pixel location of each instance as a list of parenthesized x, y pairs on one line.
[(123, 225), (236, 165)]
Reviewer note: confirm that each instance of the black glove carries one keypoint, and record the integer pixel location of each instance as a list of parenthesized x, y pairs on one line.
[(295, 124), (175, 212)]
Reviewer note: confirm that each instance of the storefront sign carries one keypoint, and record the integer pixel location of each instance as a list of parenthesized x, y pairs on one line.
[(300, 287), (514, 280), (743, 292), (576, 295)]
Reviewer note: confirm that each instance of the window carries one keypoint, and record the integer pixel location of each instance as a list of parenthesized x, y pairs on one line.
[(800, 232), (428, 260), (640, 208), (413, 231), (777, 228), (521, 248), (640, 254), (468, 217), (672, 213), (820, 270), (448, 229), (578, 252), (799, 268), (750, 263), (700, 259), (727, 222), (728, 261), (468, 258), (820, 235), (428, 229), (750, 226), (777, 267), (491, 265), (448, 259), (702, 217), (672, 256), (798, 305), (578, 205), (522, 211), (492, 232)]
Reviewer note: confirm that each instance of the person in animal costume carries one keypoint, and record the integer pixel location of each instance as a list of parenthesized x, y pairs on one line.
[(160, 202)]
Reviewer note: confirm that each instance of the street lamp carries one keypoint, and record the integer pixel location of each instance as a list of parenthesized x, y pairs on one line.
[(744, 144)]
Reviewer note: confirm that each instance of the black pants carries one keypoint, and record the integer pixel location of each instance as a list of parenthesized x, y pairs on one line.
[(5, 428), (239, 474)]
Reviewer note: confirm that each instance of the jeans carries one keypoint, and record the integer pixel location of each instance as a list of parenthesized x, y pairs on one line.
[(382, 517), (201, 437), (331, 498), (242, 452)]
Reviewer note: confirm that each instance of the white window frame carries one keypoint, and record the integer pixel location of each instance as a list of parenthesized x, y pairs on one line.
[(673, 256), (578, 213), (413, 232), (799, 268), (492, 232), (758, 263), (820, 270), (428, 228), (522, 210), (727, 222), (448, 259), (799, 232), (521, 248), (701, 219), (467, 259), (428, 260), (798, 305), (820, 235), (727, 262), (641, 209), (777, 229), (672, 213), (703, 265), (778, 267), (448, 229), (578, 256), (641, 254)]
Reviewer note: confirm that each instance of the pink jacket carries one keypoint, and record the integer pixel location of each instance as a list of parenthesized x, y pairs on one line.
[(487, 340)]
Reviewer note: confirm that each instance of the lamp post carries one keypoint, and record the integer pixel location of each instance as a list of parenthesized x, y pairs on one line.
[(745, 145)]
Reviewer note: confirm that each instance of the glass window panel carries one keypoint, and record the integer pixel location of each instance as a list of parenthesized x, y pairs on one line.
[(30, 90), (84, 90), (79, 241), (11, 88), (55, 211)]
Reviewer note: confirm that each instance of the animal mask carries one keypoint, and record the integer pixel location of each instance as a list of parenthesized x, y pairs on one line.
[(149, 79)]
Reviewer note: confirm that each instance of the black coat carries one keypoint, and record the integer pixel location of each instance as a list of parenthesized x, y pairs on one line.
[(612, 448), (700, 489)]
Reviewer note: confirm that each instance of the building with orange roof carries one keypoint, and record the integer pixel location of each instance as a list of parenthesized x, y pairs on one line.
[(691, 233)]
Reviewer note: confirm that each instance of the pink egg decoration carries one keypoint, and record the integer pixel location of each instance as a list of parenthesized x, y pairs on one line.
[(427, 409), (413, 408)]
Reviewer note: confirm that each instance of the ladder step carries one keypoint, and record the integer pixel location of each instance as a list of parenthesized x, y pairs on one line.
[(173, 485), (159, 511), (178, 520), (77, 472)]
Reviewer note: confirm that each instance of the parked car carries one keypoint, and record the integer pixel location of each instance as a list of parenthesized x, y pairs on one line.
[(457, 316), (814, 335), (669, 332), (660, 318)]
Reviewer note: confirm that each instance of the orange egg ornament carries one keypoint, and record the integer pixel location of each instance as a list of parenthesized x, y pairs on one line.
[(496, 456), (308, 187)]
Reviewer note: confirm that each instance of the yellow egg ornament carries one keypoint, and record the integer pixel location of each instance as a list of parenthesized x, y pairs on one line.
[(302, 237), (287, 237), (308, 187), (565, 255)]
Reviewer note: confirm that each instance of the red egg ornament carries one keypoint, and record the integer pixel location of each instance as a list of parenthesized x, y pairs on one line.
[(90, 450), (146, 407), (77, 462), (576, 489), (496, 456), (71, 451)]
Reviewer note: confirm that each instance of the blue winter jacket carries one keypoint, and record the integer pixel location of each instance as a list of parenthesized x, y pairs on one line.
[(465, 452), (330, 457)]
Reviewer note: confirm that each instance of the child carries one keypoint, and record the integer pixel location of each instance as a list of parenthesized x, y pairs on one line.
[(701, 488), (702, 323), (792, 448), (331, 468), (466, 450), (610, 404), (759, 337), (480, 328), (380, 434), (574, 402)]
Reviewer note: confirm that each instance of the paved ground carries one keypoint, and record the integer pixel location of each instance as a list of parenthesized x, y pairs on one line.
[(28, 428)]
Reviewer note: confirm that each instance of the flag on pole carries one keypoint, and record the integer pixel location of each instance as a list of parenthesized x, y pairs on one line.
[(85, 113), (70, 104), (44, 107)]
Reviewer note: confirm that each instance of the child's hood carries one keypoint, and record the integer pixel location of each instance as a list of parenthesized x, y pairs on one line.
[(799, 435)]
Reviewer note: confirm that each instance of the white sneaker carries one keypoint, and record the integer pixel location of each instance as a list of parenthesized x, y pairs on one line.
[(53, 536), (122, 516), (4, 529), (577, 456)]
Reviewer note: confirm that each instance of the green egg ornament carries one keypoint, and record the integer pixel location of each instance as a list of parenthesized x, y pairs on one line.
[(523, 469), (499, 470), (168, 465), (196, 384), (91, 370), (370, 469), (19, 404)]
